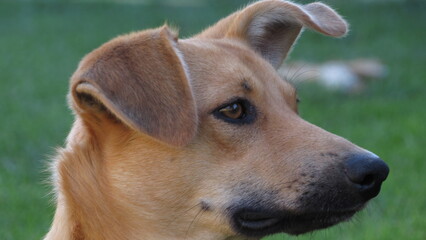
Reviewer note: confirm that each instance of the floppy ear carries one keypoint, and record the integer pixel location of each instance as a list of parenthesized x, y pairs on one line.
[(271, 27), (141, 80)]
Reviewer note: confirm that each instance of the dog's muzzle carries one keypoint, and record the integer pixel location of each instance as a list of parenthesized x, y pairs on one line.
[(335, 197)]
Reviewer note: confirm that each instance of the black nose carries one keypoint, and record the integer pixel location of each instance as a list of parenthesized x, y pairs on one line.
[(366, 173)]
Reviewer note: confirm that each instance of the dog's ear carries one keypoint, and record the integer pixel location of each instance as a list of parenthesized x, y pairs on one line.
[(271, 27), (140, 79)]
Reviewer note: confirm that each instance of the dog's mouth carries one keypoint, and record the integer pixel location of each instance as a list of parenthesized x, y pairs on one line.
[(256, 223)]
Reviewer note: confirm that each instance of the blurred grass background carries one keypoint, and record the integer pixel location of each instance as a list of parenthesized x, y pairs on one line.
[(41, 43)]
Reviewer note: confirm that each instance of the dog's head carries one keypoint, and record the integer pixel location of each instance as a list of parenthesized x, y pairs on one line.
[(202, 137)]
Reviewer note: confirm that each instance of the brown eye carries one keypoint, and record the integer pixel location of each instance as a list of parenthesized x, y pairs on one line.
[(239, 111), (232, 111)]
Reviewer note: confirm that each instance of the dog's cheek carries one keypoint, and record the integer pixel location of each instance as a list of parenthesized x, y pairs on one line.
[(270, 176), (228, 141)]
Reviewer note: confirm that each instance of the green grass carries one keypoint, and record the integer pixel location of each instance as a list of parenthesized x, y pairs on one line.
[(42, 42)]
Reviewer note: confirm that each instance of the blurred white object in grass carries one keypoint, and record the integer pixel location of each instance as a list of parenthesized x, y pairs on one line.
[(345, 76), (338, 76)]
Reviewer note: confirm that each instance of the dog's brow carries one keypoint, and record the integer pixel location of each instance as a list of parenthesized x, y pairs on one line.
[(246, 86)]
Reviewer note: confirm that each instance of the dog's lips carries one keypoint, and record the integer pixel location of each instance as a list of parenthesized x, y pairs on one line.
[(256, 220), (256, 223)]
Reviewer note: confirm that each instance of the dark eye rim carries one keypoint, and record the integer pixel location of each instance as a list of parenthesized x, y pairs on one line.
[(248, 116)]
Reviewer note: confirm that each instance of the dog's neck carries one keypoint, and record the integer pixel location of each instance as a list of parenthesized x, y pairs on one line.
[(84, 210), (87, 207)]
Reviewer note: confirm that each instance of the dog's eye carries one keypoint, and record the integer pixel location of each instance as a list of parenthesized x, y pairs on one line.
[(239, 111), (233, 111)]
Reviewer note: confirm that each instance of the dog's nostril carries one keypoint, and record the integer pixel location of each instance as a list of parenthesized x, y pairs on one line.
[(366, 173), (368, 180)]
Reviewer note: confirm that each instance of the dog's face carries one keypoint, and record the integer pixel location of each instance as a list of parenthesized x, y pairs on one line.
[(200, 138), (266, 169)]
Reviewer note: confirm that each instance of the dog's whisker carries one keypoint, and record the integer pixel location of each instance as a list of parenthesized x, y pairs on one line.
[(296, 78), (291, 71), (292, 78), (303, 69), (199, 213), (183, 213)]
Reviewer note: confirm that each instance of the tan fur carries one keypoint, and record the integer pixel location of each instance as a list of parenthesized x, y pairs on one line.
[(145, 158)]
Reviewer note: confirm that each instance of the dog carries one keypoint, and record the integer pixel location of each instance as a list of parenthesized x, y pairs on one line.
[(200, 138)]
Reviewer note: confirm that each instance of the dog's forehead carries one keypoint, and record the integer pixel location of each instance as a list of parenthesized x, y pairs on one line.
[(226, 67)]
